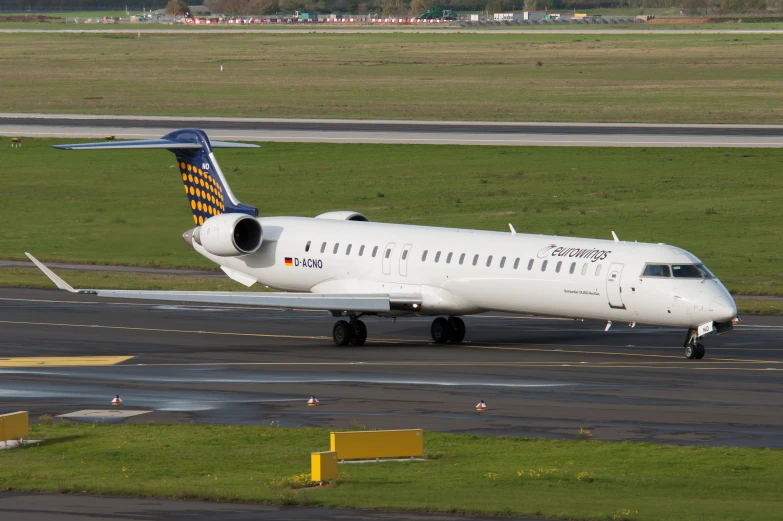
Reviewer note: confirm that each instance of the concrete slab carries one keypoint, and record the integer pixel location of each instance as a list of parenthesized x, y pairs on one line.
[(102, 415), (12, 444)]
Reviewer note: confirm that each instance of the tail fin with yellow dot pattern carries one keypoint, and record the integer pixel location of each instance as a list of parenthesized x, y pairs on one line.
[(205, 185)]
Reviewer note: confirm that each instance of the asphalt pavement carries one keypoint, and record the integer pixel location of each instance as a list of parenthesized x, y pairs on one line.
[(400, 132), (538, 376)]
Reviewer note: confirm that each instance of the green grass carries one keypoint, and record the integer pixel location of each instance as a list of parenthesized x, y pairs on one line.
[(467, 473), (631, 78), (33, 278), (126, 207)]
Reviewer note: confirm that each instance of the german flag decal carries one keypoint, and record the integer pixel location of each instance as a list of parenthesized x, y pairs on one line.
[(288, 261)]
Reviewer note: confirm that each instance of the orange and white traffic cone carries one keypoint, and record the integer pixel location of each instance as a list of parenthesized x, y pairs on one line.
[(312, 402), (117, 401), (481, 406)]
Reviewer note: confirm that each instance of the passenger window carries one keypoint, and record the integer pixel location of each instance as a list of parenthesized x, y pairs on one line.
[(374, 251), (388, 253), (448, 258), (348, 249), (543, 265), (336, 247), (361, 250), (307, 247), (323, 247), (437, 257), (475, 259), (573, 267), (404, 254), (516, 263), (557, 268), (584, 269), (656, 270), (597, 270), (502, 262), (462, 258), (489, 261), (530, 265), (424, 255)]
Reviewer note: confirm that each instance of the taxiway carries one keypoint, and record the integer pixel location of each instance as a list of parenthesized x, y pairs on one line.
[(241, 365)]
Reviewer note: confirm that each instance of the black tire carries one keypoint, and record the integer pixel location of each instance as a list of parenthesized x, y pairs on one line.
[(440, 330), (457, 329), (342, 333), (690, 351), (359, 336), (700, 351)]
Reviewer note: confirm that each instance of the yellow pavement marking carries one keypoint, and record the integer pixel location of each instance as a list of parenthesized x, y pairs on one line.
[(61, 361)]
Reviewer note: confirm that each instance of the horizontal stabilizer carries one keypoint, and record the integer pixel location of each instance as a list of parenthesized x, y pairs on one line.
[(166, 144)]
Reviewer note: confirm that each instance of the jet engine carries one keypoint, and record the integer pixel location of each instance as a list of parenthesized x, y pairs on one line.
[(229, 235)]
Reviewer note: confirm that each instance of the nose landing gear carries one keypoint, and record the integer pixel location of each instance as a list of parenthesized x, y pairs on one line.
[(693, 349), (447, 330), (354, 333)]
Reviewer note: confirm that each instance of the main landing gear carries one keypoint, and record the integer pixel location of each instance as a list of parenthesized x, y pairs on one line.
[(443, 330), (693, 349), (447, 330), (354, 333)]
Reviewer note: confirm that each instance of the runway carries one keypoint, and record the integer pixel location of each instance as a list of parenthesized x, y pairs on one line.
[(539, 377), (397, 132)]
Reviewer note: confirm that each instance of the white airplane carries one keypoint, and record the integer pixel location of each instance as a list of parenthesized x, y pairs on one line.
[(343, 263)]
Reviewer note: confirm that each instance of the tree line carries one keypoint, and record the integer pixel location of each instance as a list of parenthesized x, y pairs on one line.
[(261, 7)]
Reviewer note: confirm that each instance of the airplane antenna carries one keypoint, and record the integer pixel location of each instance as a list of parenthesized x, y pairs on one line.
[(615, 237), (511, 227)]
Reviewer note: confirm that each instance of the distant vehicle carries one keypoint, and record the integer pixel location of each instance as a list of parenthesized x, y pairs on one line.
[(438, 13), (342, 263)]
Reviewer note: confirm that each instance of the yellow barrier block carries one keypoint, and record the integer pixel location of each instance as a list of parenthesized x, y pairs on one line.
[(323, 466), (14, 426), (378, 444)]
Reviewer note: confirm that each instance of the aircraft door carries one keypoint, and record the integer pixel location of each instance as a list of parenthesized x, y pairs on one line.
[(613, 290), (387, 254), (406, 252)]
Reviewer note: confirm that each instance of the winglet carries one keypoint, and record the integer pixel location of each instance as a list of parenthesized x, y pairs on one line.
[(511, 227), (614, 235), (60, 283)]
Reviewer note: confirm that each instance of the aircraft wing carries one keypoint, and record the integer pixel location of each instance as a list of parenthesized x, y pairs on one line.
[(360, 303)]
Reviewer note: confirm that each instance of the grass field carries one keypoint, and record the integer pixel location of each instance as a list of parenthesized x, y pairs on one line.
[(126, 207), (466, 473), (624, 78)]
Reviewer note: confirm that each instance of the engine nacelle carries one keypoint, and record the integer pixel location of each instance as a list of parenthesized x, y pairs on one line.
[(229, 235), (343, 216)]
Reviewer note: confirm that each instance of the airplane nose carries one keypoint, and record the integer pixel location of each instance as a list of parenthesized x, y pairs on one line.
[(723, 309)]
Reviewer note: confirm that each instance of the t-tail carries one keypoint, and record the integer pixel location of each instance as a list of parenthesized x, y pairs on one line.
[(205, 185)]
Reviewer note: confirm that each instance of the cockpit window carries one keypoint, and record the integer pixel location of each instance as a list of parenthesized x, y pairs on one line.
[(656, 270), (707, 273), (686, 271)]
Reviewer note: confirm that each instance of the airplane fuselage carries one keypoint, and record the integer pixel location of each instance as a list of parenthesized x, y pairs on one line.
[(461, 272)]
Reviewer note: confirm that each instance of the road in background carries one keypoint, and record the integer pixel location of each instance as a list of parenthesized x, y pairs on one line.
[(398, 132), (386, 30)]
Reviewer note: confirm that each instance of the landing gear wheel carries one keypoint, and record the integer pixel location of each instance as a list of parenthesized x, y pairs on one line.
[(441, 330), (342, 333), (699, 351), (359, 336), (458, 329), (690, 351)]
